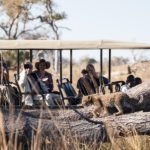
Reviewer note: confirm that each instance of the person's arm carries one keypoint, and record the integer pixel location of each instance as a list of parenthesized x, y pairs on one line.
[(22, 78)]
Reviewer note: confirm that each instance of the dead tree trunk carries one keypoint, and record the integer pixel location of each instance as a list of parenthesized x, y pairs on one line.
[(141, 92), (141, 89), (56, 129), (60, 125)]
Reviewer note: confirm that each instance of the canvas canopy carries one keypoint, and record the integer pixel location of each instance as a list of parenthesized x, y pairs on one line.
[(65, 45)]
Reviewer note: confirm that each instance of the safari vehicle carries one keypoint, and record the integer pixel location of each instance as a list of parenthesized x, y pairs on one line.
[(60, 46)]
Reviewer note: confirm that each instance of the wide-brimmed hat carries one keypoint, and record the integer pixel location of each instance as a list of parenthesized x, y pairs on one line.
[(47, 63)]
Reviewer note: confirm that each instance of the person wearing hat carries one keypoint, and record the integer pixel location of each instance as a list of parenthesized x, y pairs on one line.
[(45, 76), (46, 81), (30, 83)]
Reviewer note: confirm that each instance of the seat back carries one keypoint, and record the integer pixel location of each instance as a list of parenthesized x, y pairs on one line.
[(92, 85), (68, 92), (68, 88), (85, 87)]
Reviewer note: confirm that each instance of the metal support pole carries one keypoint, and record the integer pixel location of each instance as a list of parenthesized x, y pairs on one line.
[(101, 65), (109, 68), (56, 61), (71, 65), (60, 65), (31, 55), (18, 64)]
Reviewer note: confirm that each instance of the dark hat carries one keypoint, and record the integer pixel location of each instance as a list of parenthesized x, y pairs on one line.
[(47, 63), (28, 65), (130, 79)]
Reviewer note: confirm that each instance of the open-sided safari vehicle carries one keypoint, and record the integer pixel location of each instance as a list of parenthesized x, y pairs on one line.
[(65, 88)]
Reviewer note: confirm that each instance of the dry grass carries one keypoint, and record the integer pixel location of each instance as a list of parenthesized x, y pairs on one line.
[(36, 142), (134, 142)]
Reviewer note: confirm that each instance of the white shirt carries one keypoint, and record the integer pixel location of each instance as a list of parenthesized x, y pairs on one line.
[(25, 87), (124, 88)]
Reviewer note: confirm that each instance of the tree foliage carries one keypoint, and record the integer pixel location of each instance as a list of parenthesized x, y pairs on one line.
[(10, 56), (139, 55), (29, 19), (119, 61), (88, 60)]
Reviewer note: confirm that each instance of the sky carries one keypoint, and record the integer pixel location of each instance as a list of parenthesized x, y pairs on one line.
[(123, 20)]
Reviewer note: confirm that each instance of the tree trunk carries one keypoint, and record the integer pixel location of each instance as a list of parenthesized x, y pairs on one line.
[(141, 92), (58, 125), (55, 126)]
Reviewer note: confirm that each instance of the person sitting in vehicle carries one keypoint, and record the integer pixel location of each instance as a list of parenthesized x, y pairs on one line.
[(84, 85), (25, 85), (30, 83), (137, 81), (90, 80), (45, 76), (4, 73), (95, 78), (130, 82)]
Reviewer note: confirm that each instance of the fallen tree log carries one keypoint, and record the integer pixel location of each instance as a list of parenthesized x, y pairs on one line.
[(141, 92), (59, 126), (54, 129)]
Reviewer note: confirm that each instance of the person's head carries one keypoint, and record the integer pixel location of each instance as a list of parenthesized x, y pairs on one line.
[(137, 81), (90, 68), (42, 65), (84, 72), (130, 80), (28, 67)]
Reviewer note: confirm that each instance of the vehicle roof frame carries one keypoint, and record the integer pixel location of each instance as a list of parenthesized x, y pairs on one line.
[(69, 45)]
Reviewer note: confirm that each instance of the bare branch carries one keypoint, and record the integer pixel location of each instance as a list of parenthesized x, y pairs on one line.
[(64, 28), (13, 22), (29, 30), (4, 29), (16, 31), (18, 25), (52, 23)]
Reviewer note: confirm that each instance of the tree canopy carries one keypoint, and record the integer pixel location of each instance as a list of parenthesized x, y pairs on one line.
[(29, 19)]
